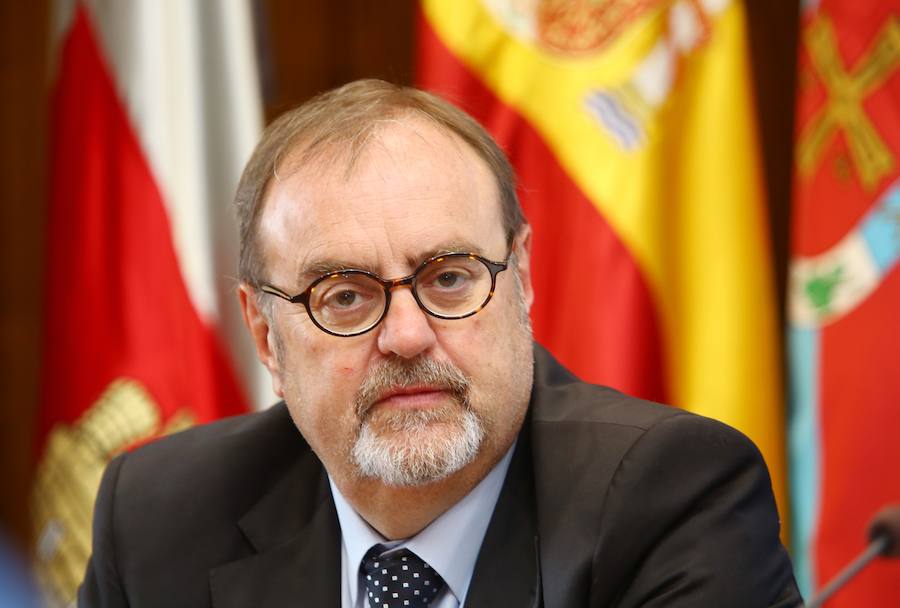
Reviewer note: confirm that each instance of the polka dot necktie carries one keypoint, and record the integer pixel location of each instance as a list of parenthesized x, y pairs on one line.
[(399, 579)]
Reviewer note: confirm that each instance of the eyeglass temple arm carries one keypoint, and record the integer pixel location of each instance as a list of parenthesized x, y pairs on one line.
[(496, 268), (274, 291)]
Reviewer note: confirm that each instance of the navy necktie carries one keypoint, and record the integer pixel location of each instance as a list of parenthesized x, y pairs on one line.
[(399, 579)]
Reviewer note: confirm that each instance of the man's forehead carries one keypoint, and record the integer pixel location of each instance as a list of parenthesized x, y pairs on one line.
[(409, 152), (393, 135), (326, 177), (414, 192)]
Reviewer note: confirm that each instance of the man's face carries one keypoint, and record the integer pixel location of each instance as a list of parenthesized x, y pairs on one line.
[(417, 398)]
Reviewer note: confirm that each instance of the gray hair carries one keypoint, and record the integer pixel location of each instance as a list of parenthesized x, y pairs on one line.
[(345, 118)]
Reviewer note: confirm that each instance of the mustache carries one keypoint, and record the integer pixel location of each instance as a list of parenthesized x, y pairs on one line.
[(396, 373)]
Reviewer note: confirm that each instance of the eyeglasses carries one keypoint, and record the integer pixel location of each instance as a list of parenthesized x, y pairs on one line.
[(352, 302)]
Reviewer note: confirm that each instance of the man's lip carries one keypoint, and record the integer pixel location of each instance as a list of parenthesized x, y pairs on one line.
[(412, 396)]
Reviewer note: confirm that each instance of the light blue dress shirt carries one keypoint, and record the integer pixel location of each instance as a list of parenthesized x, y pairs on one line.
[(449, 544)]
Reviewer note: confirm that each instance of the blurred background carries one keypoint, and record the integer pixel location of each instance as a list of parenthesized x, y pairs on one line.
[(729, 86)]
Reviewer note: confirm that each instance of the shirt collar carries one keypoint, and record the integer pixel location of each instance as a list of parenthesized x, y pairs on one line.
[(449, 544)]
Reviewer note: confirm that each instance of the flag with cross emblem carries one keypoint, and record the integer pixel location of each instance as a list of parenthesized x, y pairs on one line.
[(845, 292)]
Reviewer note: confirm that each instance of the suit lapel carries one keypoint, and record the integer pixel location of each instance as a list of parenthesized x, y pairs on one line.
[(296, 535), (507, 571)]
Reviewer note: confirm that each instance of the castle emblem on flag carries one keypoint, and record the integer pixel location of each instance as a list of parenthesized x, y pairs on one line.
[(69, 474), (846, 91), (585, 26), (569, 27)]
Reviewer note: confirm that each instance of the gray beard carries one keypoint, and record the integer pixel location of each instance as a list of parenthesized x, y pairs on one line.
[(418, 447), (415, 447)]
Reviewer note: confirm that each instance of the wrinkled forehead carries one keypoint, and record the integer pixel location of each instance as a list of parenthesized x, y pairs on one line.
[(405, 183)]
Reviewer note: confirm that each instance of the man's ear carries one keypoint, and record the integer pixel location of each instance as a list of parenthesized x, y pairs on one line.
[(262, 334), (522, 249)]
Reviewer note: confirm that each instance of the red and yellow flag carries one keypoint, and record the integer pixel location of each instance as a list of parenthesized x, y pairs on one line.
[(155, 108), (632, 129), (845, 293)]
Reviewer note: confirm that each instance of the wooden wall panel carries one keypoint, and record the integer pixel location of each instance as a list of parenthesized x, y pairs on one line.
[(774, 25), (23, 92), (315, 45)]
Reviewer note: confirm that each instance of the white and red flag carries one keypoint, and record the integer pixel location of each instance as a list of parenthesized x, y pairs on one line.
[(155, 108)]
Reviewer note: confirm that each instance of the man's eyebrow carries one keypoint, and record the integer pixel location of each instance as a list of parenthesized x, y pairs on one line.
[(455, 247), (317, 268)]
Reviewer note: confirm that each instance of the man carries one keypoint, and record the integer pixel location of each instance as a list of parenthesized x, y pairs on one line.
[(442, 459)]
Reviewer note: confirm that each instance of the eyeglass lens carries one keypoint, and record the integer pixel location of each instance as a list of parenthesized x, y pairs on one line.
[(449, 286)]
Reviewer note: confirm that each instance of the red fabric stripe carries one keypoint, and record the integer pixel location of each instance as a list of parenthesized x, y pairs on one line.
[(859, 414), (115, 303), (593, 308)]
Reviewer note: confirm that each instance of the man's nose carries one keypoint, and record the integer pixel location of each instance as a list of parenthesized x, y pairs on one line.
[(406, 330)]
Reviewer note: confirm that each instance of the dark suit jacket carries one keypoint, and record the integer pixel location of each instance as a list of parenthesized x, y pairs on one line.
[(609, 501)]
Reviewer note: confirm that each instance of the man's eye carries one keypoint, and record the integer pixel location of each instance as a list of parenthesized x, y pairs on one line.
[(343, 298), (346, 298), (448, 279)]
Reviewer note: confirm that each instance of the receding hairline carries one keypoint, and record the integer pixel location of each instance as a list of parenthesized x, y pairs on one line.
[(326, 155)]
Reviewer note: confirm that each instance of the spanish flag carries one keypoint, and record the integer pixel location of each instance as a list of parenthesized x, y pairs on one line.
[(632, 129)]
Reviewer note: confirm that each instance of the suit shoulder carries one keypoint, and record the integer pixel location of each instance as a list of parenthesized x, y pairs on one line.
[(691, 481), (248, 431), (610, 421), (225, 458), (560, 397), (580, 402)]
